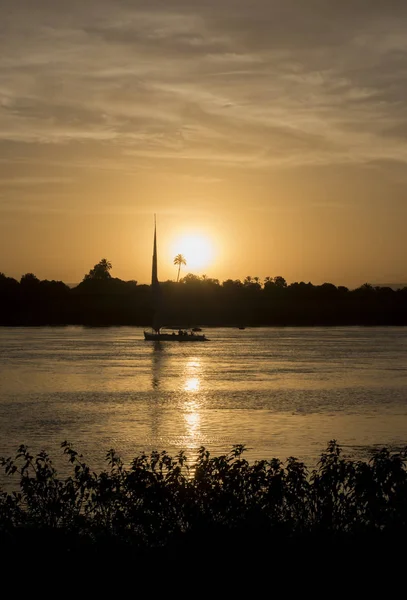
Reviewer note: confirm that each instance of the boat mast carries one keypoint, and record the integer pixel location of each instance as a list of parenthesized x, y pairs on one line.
[(155, 286), (154, 274)]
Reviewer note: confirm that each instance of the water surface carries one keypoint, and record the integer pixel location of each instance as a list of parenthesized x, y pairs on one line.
[(280, 391)]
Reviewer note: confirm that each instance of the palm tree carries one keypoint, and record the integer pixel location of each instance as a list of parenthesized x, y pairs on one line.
[(179, 260), (100, 271), (105, 264)]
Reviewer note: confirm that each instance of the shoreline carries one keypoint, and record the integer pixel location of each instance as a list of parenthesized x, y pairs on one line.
[(245, 327)]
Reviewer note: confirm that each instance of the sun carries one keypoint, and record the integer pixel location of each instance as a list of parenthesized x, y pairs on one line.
[(197, 250)]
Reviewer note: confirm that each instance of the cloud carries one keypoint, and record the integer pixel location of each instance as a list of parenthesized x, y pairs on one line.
[(267, 84), (126, 107)]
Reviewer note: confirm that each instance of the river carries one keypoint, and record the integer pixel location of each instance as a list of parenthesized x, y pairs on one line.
[(279, 391)]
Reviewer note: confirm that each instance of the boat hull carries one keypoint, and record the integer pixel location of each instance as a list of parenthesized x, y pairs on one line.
[(173, 337)]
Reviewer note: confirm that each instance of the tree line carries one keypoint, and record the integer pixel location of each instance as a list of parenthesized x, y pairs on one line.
[(101, 299)]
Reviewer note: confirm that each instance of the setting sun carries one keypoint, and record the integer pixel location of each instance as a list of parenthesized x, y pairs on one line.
[(197, 250)]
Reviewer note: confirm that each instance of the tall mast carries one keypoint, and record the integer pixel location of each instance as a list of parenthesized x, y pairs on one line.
[(154, 274), (155, 286)]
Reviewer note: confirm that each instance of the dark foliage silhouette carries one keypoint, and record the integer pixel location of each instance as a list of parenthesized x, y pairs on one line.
[(100, 271), (101, 299), (164, 502), (29, 281)]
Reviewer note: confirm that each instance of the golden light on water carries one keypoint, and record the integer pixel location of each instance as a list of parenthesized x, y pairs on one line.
[(193, 371), (192, 385), (192, 421), (191, 408)]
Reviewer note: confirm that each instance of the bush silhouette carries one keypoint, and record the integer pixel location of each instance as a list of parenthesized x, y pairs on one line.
[(164, 502)]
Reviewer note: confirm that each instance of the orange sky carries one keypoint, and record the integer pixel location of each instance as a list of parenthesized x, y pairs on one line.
[(275, 128)]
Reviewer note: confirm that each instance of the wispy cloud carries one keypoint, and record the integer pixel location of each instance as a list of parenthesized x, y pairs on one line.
[(270, 85), (285, 108)]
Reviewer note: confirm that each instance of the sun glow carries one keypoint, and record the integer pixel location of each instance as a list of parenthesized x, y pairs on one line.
[(197, 250)]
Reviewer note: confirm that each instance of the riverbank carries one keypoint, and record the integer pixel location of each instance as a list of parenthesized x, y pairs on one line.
[(198, 301)]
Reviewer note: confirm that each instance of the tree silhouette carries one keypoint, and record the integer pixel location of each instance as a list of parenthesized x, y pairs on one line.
[(179, 260), (102, 299), (100, 271), (29, 280), (190, 278), (280, 282), (232, 284)]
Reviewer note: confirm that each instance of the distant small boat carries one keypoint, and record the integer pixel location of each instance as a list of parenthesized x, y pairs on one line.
[(242, 327), (156, 335)]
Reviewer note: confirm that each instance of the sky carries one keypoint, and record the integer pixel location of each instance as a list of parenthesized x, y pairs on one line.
[(275, 131)]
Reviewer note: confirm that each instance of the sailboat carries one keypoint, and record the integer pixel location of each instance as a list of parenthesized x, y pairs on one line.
[(156, 334)]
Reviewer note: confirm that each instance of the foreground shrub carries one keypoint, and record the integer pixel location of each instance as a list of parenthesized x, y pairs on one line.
[(163, 502)]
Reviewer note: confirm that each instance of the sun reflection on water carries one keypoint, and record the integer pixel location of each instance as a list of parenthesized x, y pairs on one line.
[(192, 421), (193, 375), (192, 404), (192, 384)]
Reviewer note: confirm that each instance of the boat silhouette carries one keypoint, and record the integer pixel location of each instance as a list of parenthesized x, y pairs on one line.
[(158, 331)]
